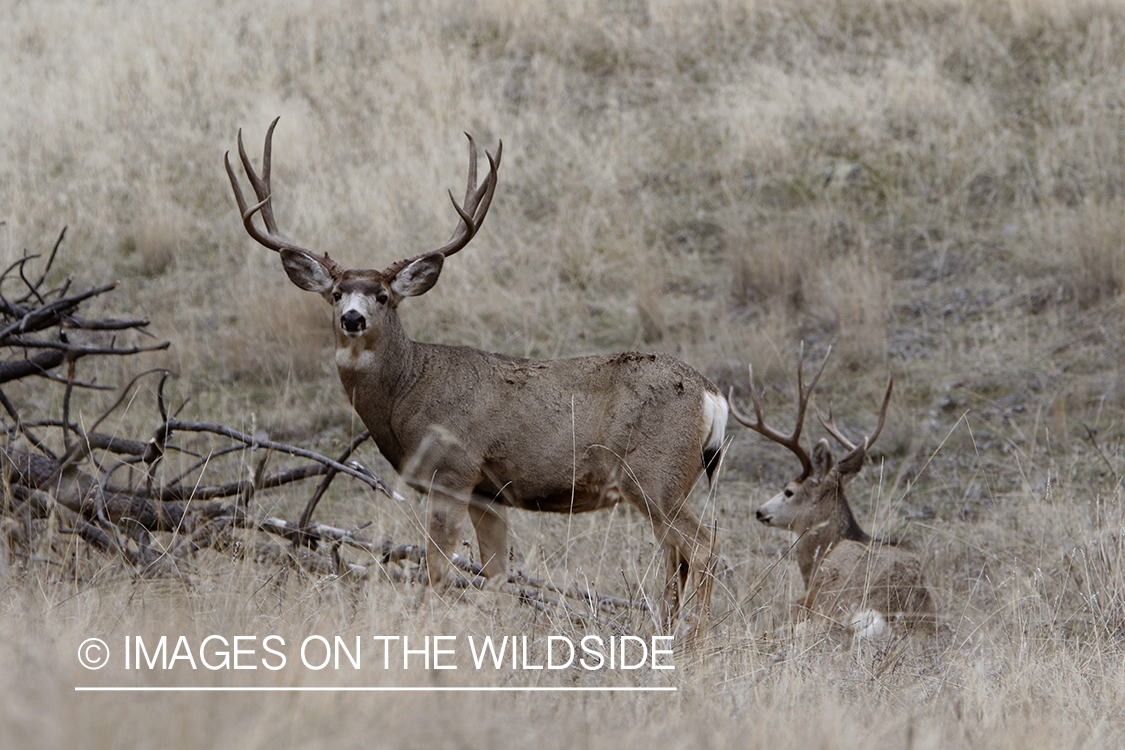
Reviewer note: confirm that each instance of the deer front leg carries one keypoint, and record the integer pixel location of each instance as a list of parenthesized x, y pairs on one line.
[(446, 513), (491, 523)]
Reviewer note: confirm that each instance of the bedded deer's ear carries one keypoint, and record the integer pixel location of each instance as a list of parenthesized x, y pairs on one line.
[(822, 460), (850, 464), (419, 277)]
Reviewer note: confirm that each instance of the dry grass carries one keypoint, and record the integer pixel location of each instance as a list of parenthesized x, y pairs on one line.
[(937, 187)]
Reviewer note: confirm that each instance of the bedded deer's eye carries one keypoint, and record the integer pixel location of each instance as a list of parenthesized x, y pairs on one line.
[(788, 492), (337, 295), (381, 298)]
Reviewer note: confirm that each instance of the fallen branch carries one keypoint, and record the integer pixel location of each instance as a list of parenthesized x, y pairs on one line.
[(354, 470)]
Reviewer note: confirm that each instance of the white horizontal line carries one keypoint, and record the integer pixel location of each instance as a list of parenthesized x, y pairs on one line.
[(185, 689)]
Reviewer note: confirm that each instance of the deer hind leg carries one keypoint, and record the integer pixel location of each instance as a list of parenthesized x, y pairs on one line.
[(676, 575), (491, 524), (690, 554)]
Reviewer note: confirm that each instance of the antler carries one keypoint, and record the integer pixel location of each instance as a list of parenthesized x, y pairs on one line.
[(792, 441), (477, 201), (830, 424), (261, 184)]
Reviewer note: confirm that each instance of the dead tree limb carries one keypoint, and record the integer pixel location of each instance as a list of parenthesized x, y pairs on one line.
[(330, 474), (354, 470)]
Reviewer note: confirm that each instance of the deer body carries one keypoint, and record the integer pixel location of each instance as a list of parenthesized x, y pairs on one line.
[(480, 432), (581, 422), (849, 577), (845, 571), (855, 577)]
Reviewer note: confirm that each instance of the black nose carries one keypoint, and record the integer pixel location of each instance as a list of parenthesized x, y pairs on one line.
[(353, 322), (762, 517)]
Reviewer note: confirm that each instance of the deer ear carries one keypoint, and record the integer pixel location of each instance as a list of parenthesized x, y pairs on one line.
[(851, 464), (419, 277), (307, 271), (822, 461)]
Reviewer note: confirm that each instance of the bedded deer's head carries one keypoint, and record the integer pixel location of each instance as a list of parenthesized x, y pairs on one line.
[(815, 499)]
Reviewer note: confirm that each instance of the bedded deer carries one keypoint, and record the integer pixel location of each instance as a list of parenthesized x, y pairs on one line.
[(851, 579), (480, 432)]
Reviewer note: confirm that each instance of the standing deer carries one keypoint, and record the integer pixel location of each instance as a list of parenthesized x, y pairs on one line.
[(850, 578), (483, 432)]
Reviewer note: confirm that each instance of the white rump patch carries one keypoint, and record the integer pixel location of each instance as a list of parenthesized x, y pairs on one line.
[(714, 420)]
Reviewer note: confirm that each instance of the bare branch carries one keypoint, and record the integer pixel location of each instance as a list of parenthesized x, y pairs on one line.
[(125, 393), (51, 259), (363, 475), (11, 409), (37, 365), (77, 350), (51, 313), (306, 515), (17, 264), (107, 324)]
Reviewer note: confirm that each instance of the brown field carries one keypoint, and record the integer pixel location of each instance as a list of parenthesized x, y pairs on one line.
[(935, 187)]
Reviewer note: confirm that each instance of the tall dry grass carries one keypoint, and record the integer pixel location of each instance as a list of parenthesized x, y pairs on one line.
[(935, 187)]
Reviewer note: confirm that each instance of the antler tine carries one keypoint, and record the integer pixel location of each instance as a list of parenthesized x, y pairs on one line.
[(793, 440), (472, 182), (261, 184), (830, 423), (883, 409), (477, 201), (804, 392), (758, 424)]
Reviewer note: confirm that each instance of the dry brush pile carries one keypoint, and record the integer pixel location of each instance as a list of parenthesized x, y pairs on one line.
[(85, 500), (114, 492)]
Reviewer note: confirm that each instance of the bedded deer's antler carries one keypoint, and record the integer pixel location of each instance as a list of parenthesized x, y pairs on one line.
[(830, 424), (792, 441)]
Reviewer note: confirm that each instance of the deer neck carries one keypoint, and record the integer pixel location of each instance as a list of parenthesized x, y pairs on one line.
[(836, 524), (375, 369)]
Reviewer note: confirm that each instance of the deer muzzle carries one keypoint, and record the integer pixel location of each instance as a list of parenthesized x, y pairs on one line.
[(353, 323)]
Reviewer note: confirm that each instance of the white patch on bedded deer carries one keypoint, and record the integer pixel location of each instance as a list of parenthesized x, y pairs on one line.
[(869, 625)]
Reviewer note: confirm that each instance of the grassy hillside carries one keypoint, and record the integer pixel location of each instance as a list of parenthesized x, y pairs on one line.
[(935, 188)]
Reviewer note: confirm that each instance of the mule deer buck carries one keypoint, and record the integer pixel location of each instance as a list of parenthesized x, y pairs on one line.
[(850, 578), (480, 432)]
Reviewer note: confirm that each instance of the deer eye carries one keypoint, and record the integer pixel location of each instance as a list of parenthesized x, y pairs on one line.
[(788, 492), (337, 295), (381, 298)]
